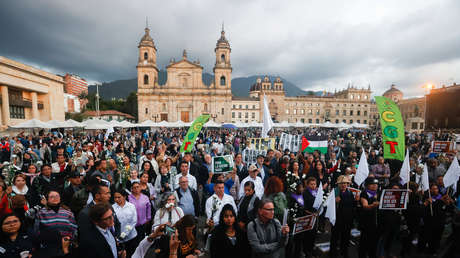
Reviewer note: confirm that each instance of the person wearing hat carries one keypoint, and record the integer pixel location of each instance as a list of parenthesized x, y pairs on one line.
[(369, 199), (259, 187), (345, 206), (74, 186)]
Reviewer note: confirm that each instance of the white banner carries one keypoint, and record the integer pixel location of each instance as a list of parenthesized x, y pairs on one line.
[(290, 142), (250, 155)]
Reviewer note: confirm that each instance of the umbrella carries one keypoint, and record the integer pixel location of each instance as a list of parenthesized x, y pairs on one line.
[(229, 126)]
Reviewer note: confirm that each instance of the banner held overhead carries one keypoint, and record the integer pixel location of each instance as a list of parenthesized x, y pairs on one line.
[(193, 131), (392, 128)]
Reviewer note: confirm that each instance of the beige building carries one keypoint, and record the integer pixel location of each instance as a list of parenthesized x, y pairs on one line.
[(28, 92), (412, 109), (184, 96)]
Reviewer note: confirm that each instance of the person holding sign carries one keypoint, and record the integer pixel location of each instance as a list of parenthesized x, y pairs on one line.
[(389, 224), (368, 219), (345, 206), (434, 222), (267, 237), (259, 187)]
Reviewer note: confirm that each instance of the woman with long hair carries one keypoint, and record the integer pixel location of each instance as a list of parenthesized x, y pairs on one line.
[(13, 240), (321, 173), (147, 167), (274, 191), (186, 230), (227, 239), (169, 213)]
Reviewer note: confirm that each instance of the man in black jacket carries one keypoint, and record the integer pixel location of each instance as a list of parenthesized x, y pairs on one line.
[(188, 198), (98, 240)]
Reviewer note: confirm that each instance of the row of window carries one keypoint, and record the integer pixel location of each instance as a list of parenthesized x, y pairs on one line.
[(246, 115), (317, 112), (318, 104), (317, 121), (245, 107), (416, 126), (17, 112)]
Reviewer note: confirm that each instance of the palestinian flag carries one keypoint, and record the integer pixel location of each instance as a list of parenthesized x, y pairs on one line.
[(314, 143)]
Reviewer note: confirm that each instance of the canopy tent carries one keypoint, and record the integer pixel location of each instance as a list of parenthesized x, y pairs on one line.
[(127, 124), (115, 123), (33, 123), (254, 124), (96, 124), (241, 125), (283, 124), (358, 125), (56, 124), (328, 124), (343, 125), (163, 124), (299, 124), (72, 123), (147, 123), (229, 126), (212, 123)]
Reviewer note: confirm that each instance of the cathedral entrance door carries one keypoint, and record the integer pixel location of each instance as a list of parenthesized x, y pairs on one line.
[(163, 117), (184, 116)]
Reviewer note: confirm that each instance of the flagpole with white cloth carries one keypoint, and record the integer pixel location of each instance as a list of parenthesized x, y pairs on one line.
[(363, 169), (267, 119)]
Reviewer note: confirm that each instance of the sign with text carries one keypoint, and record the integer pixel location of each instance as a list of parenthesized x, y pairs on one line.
[(303, 224), (262, 143), (222, 164), (289, 142), (394, 199), (250, 156), (442, 146)]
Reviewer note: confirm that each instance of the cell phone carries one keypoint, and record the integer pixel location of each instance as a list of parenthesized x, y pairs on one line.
[(169, 231)]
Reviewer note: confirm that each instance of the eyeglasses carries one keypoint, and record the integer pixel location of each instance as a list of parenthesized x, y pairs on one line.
[(11, 222)]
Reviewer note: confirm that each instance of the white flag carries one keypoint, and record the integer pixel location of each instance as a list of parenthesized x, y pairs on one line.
[(267, 119), (452, 174), (404, 174), (423, 179), (330, 204), (319, 196), (363, 170)]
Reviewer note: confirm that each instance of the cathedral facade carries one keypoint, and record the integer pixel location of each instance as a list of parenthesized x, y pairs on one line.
[(184, 96)]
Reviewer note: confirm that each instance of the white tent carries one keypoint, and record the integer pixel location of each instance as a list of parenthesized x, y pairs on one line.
[(33, 123), (163, 124), (115, 123), (212, 123), (147, 123), (127, 124), (329, 125), (254, 124), (343, 125), (299, 124), (178, 123), (96, 124), (283, 124), (72, 123), (56, 124)]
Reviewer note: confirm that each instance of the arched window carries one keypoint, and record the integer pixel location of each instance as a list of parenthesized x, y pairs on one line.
[(222, 81), (222, 58), (146, 110), (146, 56), (205, 107), (146, 79)]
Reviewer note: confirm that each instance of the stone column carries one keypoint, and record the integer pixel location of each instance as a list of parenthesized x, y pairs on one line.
[(5, 106), (34, 105)]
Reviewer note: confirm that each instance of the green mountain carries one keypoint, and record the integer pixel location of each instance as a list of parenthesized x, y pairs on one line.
[(240, 86)]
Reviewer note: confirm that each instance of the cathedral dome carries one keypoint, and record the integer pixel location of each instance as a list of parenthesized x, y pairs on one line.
[(393, 93), (392, 90)]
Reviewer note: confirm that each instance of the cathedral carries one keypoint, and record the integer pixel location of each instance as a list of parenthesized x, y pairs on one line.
[(184, 96)]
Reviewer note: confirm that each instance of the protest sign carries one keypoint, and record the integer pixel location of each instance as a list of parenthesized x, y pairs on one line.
[(250, 156), (304, 224), (192, 133), (222, 164), (394, 199), (289, 142), (262, 143), (442, 146), (392, 128)]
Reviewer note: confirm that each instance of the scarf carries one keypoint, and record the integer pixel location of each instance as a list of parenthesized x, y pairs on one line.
[(21, 192), (313, 192), (298, 198), (436, 197), (371, 193)]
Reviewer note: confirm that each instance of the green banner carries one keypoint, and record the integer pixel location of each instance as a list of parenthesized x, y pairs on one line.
[(193, 131), (392, 128)]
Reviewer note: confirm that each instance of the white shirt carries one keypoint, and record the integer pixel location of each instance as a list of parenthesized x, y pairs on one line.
[(191, 181), (127, 215), (55, 168), (258, 186), (152, 161), (162, 216), (214, 201)]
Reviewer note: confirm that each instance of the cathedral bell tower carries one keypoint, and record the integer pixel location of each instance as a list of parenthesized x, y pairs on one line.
[(222, 68), (147, 71)]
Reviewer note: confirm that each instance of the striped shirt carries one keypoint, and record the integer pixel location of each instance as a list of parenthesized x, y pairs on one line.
[(62, 221)]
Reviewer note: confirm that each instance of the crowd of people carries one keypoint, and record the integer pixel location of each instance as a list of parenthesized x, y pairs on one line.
[(131, 193)]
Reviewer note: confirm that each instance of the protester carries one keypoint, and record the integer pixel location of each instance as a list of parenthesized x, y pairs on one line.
[(368, 222), (14, 242), (127, 215), (169, 213)]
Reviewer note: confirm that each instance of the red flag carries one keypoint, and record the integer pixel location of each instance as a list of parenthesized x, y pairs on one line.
[(305, 143)]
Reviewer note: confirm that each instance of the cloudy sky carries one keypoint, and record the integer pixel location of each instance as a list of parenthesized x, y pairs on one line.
[(314, 44)]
